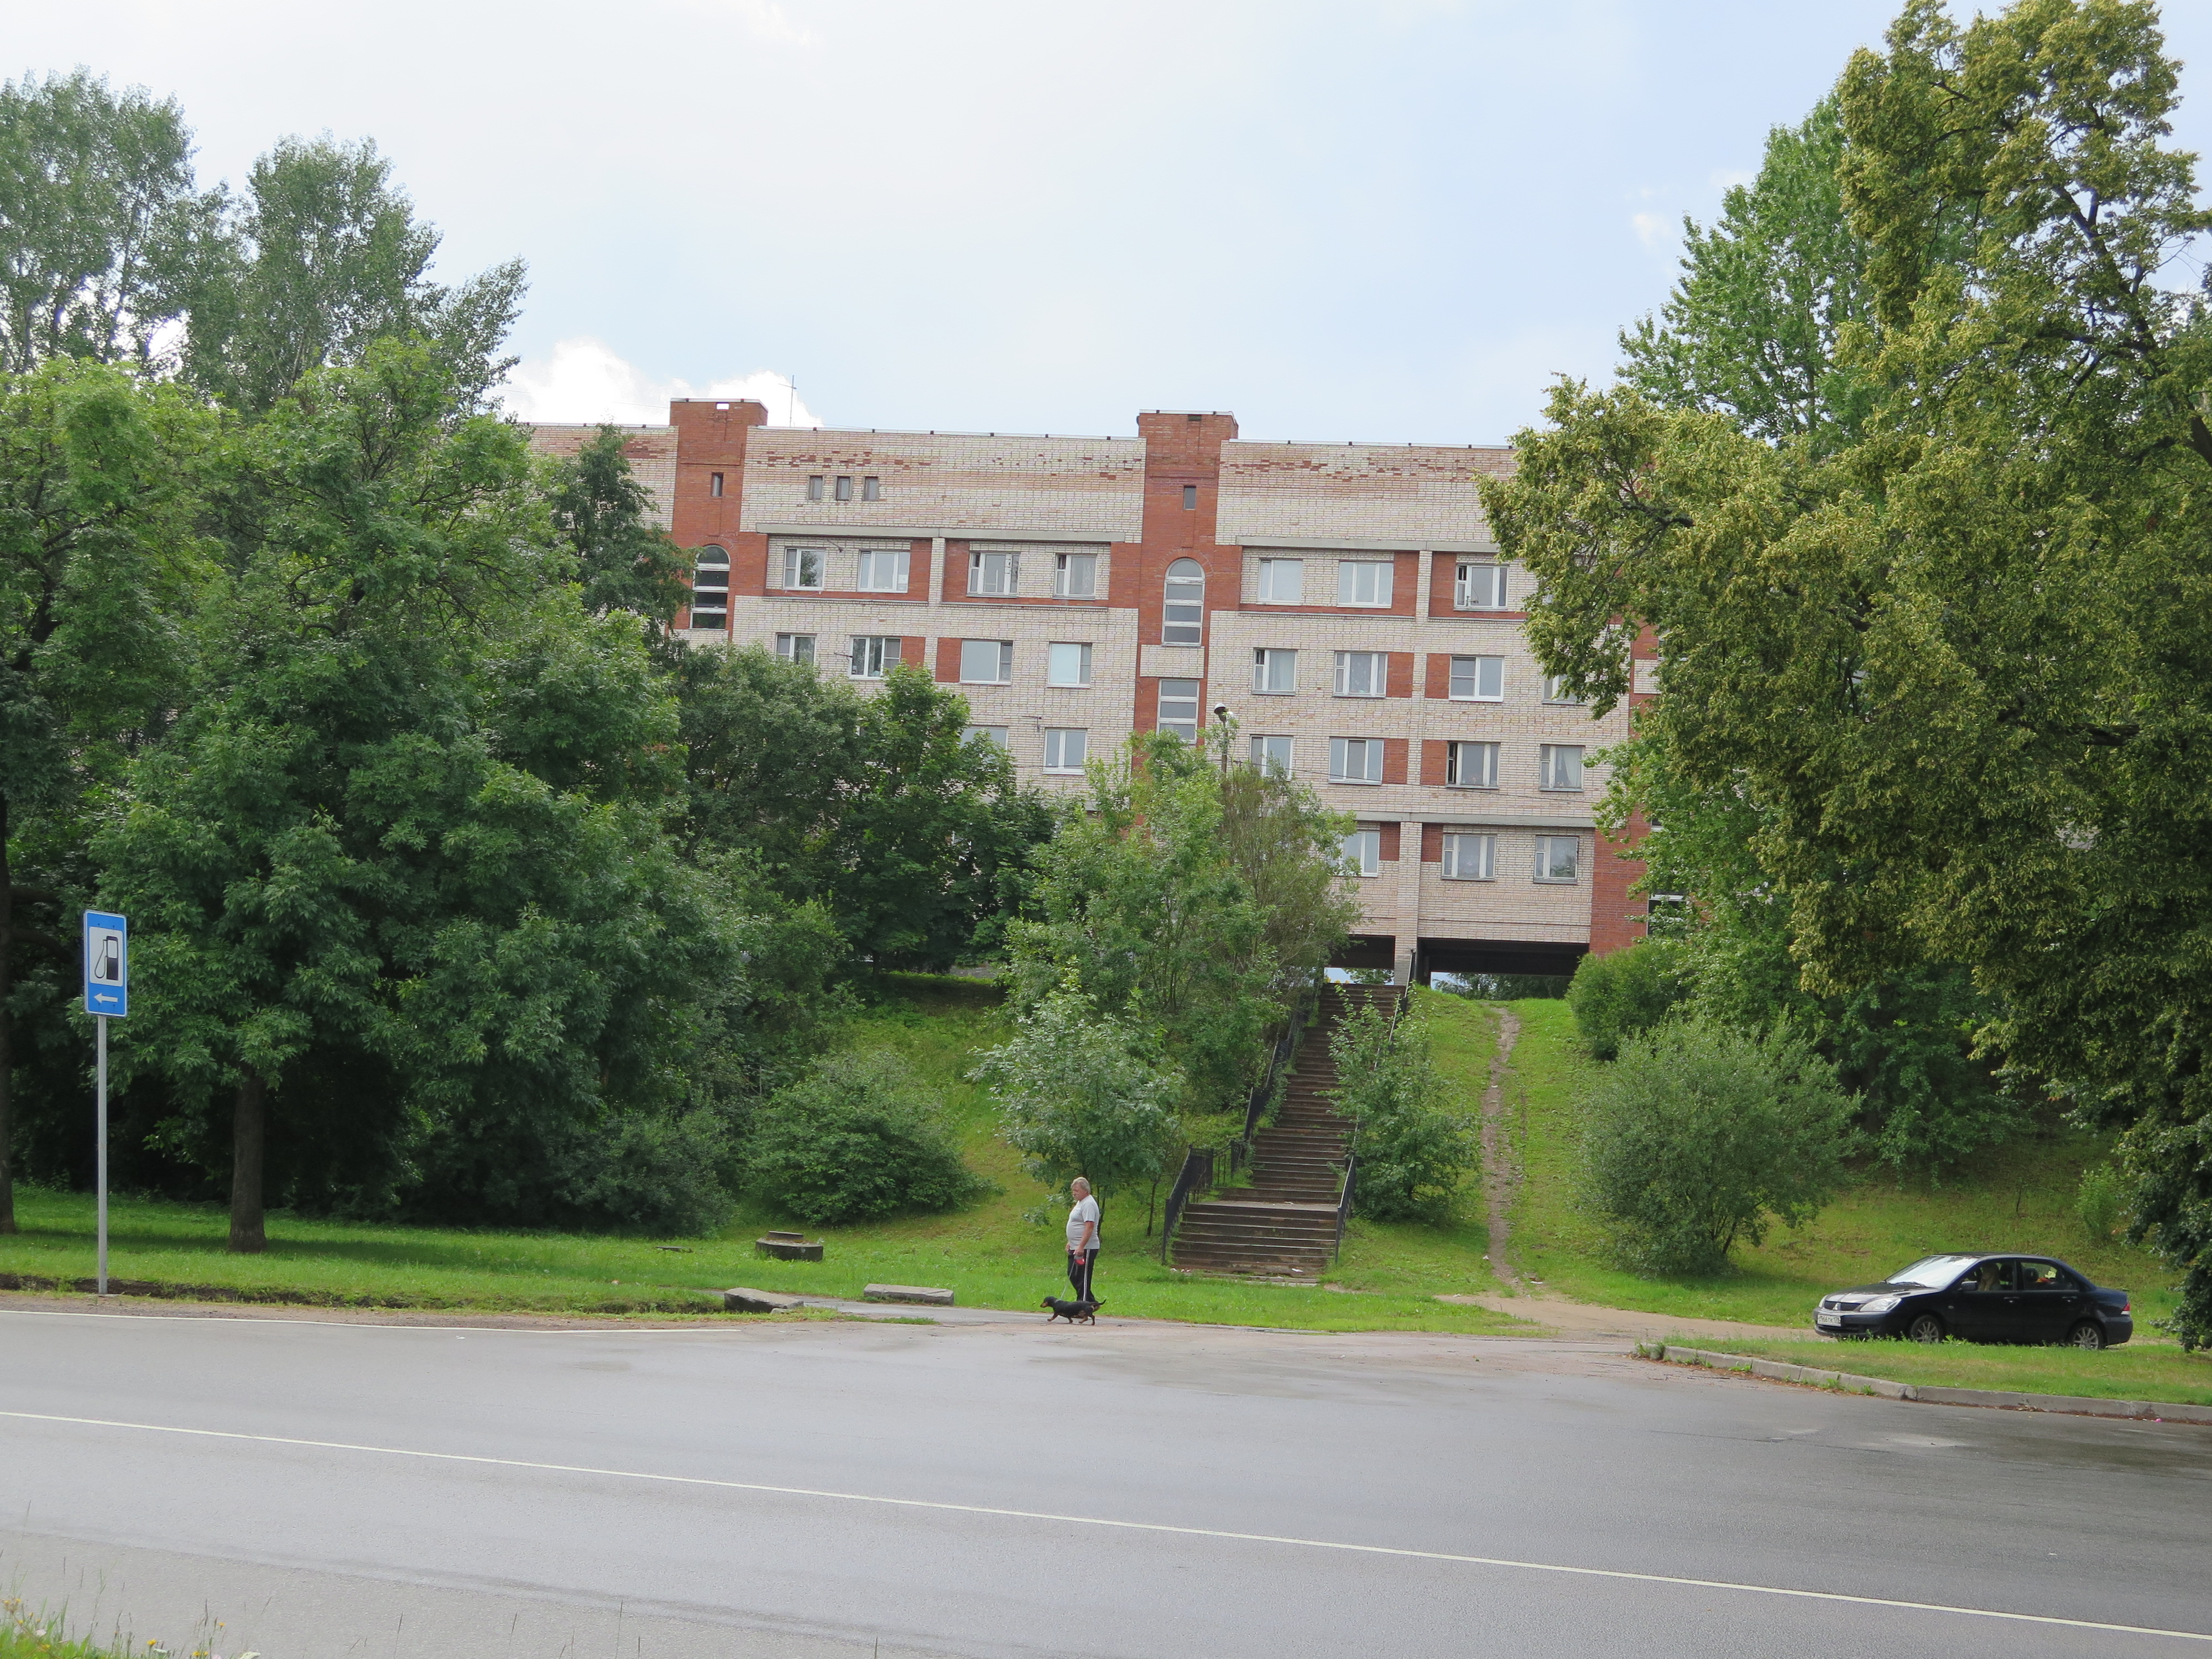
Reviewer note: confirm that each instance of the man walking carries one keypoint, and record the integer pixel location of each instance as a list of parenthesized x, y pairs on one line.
[(1082, 1238)]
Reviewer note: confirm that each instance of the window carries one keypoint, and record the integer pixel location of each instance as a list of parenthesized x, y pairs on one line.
[(1561, 766), (1075, 575), (1362, 581), (1478, 679), (1362, 673), (1190, 497), (1068, 665), (1355, 760), (874, 655), (987, 662), (814, 487), (1555, 690), (715, 484), (795, 647), (1557, 857), (1182, 621), (1275, 671), (803, 568), (1282, 581), (1470, 857), (1471, 766), (1272, 755), (883, 570), (1179, 708), (996, 574), (1362, 853), (710, 588), (872, 489), (1479, 587), (1064, 748), (844, 489), (993, 735)]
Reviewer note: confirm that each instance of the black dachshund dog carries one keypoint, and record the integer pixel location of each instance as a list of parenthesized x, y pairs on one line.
[(1073, 1312)]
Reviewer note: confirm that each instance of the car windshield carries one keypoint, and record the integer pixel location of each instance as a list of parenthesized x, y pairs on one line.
[(1935, 1272)]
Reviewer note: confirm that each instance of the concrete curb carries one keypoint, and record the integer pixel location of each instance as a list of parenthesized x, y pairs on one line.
[(1781, 1371)]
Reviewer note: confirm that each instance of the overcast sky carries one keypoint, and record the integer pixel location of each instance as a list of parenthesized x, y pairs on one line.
[(1390, 221)]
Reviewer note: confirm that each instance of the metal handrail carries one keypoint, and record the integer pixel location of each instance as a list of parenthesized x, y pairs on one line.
[(1195, 1175), (1301, 1016), (1344, 1201)]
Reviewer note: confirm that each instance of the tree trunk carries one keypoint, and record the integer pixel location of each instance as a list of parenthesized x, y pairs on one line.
[(6, 1026), (248, 1126)]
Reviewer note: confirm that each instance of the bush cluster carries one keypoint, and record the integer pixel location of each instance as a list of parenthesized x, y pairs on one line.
[(857, 1138)]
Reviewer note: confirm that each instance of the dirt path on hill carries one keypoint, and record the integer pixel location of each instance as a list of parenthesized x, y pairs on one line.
[(1499, 1183)]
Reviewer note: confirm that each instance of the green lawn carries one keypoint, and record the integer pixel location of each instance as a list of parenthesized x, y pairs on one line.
[(2147, 1371), (989, 1253), (2015, 1197)]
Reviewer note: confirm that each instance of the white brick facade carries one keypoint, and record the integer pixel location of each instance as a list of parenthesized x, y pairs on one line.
[(1134, 507)]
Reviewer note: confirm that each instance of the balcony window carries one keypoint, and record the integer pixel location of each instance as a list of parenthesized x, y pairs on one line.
[(987, 662), (883, 570), (1478, 679), (994, 575), (1355, 760), (1075, 576), (1068, 665), (1282, 581), (1479, 585), (1364, 582), (1470, 857)]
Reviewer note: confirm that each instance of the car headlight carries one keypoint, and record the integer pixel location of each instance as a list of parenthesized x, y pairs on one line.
[(1880, 1304)]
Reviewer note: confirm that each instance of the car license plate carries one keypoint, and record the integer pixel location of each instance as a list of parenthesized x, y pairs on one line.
[(1833, 1321)]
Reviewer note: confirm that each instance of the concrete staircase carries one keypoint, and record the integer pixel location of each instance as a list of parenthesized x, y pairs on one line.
[(1284, 1225)]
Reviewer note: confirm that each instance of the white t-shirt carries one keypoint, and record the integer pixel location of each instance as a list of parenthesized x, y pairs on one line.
[(1085, 1213)]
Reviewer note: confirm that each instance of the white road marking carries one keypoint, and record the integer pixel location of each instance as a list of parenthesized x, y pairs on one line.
[(1126, 1526)]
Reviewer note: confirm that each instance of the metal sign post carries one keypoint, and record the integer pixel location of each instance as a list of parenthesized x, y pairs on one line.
[(106, 996)]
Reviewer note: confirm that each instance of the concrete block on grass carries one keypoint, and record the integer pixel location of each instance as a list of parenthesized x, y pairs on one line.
[(924, 1293), (738, 1299)]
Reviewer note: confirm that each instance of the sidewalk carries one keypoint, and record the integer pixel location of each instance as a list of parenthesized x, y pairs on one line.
[(1561, 1317)]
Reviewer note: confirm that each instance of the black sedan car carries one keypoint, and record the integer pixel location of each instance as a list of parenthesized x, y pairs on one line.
[(1981, 1298)]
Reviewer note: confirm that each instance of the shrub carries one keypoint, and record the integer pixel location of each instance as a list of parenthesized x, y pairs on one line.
[(856, 1137), (2099, 1201), (1628, 991), (1082, 1095), (1413, 1149), (1697, 1136)]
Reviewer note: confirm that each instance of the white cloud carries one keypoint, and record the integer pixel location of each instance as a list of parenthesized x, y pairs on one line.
[(583, 380), (1652, 229)]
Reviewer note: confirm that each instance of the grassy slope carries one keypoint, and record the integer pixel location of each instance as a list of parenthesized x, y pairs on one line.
[(2015, 1197), (988, 1254), (2137, 1371)]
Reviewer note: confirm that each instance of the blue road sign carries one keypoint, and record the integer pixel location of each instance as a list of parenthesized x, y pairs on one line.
[(106, 964)]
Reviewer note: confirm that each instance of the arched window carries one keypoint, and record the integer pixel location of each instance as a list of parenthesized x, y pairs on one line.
[(1185, 616), (710, 588)]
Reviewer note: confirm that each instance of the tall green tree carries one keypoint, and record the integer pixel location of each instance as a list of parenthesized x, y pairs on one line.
[(1958, 664), (322, 255), (879, 806), (604, 519), (1194, 897), (101, 226), (99, 566), (1767, 291), (404, 892)]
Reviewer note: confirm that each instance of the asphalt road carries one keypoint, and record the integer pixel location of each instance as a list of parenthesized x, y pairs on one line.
[(841, 1489)]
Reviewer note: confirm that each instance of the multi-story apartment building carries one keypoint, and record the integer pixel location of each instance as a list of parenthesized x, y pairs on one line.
[(1344, 604)]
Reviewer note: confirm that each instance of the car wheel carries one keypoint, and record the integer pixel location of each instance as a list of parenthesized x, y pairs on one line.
[(1926, 1328), (2087, 1334)]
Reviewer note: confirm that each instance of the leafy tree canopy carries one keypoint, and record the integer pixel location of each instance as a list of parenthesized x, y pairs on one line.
[(1956, 664)]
